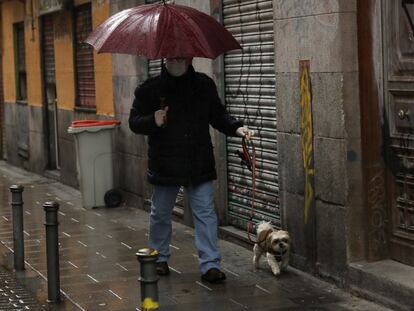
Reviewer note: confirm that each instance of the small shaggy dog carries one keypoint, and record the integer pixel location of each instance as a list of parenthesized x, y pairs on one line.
[(276, 245)]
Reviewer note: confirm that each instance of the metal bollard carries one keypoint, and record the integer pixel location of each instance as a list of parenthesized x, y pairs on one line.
[(52, 251), (18, 239), (149, 278)]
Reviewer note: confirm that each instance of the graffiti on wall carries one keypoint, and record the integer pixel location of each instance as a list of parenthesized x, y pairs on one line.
[(376, 201), (307, 135)]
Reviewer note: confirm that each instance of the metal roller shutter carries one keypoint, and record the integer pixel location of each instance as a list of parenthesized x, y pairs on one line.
[(250, 96), (48, 49), (85, 75), (154, 67)]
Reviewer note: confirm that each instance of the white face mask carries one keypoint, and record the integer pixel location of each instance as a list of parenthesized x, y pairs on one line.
[(176, 67)]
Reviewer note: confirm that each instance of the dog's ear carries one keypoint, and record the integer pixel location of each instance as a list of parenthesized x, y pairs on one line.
[(268, 238), (261, 237)]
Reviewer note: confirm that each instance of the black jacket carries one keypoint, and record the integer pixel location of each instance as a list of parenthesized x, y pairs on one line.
[(181, 152)]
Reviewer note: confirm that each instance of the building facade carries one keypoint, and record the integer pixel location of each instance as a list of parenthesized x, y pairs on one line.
[(50, 78), (326, 85)]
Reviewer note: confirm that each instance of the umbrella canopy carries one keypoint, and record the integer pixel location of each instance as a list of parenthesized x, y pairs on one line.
[(162, 31)]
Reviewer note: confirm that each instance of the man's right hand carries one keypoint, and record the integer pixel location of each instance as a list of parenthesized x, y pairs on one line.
[(161, 116)]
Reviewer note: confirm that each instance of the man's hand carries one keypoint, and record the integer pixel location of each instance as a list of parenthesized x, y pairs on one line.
[(161, 116), (245, 132)]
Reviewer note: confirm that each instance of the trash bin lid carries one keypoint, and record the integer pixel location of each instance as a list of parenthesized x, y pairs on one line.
[(83, 123), (79, 126)]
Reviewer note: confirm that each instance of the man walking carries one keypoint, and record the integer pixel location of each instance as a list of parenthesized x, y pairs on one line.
[(175, 110)]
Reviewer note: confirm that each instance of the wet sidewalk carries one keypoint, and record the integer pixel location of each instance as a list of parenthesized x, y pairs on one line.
[(99, 269)]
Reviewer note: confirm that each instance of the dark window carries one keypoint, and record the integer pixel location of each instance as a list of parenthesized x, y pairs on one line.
[(85, 77), (20, 55)]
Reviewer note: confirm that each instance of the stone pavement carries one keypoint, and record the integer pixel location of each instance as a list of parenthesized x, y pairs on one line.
[(13, 296), (99, 269)]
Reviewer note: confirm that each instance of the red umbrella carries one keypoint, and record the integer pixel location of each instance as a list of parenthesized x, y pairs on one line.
[(162, 31)]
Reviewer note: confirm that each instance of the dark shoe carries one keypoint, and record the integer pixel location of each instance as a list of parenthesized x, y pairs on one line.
[(213, 275), (162, 268)]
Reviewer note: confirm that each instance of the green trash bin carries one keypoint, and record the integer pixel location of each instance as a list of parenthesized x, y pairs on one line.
[(93, 139)]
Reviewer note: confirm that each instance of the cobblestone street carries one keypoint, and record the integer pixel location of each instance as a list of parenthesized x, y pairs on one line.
[(99, 269)]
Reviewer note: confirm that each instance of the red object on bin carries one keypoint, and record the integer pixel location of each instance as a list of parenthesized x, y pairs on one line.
[(87, 123)]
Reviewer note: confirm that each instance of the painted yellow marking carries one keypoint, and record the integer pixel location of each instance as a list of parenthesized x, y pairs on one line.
[(307, 136), (149, 304)]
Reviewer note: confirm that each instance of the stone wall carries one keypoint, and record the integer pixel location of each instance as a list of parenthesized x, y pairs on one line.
[(325, 33)]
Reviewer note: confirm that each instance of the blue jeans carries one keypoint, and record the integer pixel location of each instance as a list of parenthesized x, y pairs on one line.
[(205, 221)]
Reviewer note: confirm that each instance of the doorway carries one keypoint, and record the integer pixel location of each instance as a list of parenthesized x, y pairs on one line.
[(398, 41)]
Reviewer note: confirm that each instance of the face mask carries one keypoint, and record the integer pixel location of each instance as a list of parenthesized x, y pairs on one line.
[(176, 67)]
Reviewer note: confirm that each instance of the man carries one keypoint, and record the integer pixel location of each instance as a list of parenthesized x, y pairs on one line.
[(175, 110)]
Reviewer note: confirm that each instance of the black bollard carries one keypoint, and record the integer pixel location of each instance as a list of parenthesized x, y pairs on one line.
[(52, 251), (149, 278), (18, 238)]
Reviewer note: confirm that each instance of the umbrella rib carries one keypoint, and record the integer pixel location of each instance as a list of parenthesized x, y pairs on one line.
[(187, 17)]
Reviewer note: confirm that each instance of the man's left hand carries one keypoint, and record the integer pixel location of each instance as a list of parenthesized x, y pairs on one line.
[(245, 132)]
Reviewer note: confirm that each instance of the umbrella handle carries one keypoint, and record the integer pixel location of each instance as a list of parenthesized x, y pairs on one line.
[(162, 106)]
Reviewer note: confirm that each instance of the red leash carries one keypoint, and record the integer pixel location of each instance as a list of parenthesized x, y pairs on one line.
[(249, 159)]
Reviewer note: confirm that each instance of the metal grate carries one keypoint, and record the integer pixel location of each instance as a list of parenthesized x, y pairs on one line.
[(85, 76), (250, 96), (154, 67)]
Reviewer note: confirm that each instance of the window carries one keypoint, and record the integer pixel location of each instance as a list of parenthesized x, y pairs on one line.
[(20, 55), (85, 76)]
